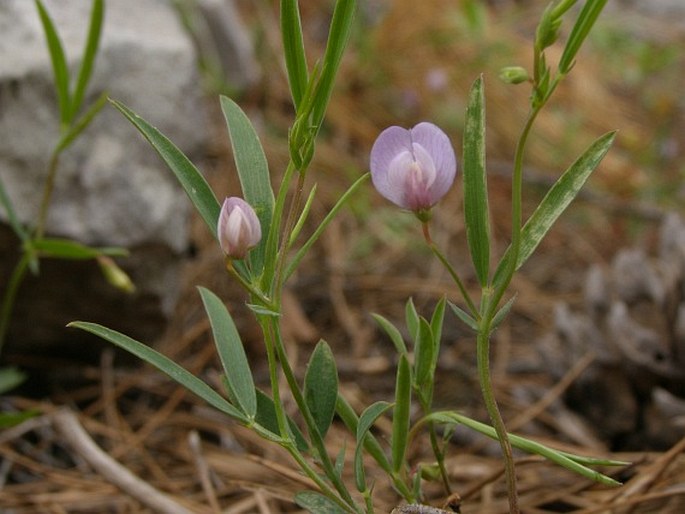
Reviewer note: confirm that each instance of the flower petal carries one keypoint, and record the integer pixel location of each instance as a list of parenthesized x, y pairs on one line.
[(389, 145), (438, 146)]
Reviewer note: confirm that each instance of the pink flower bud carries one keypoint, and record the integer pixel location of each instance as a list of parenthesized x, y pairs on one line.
[(238, 228), (413, 168)]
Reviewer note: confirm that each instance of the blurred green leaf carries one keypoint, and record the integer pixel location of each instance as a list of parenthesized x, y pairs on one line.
[(73, 250), (165, 365), (475, 183), (401, 414), (586, 19), (366, 421), (437, 321), (424, 356), (293, 49), (12, 214), (59, 64), (266, 417), (503, 312), (560, 195), (464, 316), (11, 419), (10, 378), (253, 171), (392, 332), (192, 181), (411, 319), (321, 386), (89, 53), (317, 503), (231, 352)]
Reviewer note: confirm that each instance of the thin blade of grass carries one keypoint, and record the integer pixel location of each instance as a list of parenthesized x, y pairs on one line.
[(89, 53), (59, 64), (294, 51)]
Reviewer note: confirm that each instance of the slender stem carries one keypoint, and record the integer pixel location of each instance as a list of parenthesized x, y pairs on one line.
[(483, 362), (248, 286), (47, 195), (285, 240), (439, 455), (302, 406), (453, 273), (11, 294)]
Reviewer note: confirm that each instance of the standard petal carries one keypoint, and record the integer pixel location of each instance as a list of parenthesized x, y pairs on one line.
[(438, 146), (390, 143)]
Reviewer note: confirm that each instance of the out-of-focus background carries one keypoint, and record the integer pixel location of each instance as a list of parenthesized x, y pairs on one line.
[(593, 353)]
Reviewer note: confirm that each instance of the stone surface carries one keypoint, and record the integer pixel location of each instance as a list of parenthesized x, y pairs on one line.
[(112, 188)]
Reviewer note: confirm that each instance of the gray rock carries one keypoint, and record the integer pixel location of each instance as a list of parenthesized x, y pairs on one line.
[(112, 188)]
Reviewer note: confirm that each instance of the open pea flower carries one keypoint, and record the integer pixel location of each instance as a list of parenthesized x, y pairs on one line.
[(413, 168), (238, 228)]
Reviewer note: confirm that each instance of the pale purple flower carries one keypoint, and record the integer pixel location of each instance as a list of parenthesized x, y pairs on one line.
[(238, 228), (413, 168)]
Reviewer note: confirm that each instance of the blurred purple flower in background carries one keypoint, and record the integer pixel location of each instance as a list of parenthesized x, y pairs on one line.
[(413, 168), (238, 228)]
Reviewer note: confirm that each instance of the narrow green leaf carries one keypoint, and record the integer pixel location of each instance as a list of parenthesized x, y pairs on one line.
[(317, 503), (464, 316), (231, 352), (293, 49), (81, 124), (321, 386), (266, 417), (560, 195), (371, 445), (263, 311), (165, 365), (192, 181), (324, 223), (59, 64), (73, 250), (424, 356), (12, 214), (475, 183), (392, 332), (303, 215), (366, 421), (97, 14), (503, 312), (338, 35), (10, 378), (411, 319), (586, 20), (11, 419), (401, 414), (437, 321), (253, 171), (560, 458)]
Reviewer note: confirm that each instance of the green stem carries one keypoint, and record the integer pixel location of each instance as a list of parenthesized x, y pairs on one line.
[(455, 277), (483, 363), (289, 225), (47, 195), (248, 286), (312, 429), (11, 294), (439, 456)]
